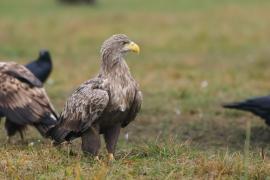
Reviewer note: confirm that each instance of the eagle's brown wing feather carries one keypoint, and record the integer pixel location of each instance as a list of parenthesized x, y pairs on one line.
[(84, 107), (22, 100), (21, 73), (135, 108)]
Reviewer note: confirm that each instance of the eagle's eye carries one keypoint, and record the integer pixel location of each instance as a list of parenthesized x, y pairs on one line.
[(124, 42)]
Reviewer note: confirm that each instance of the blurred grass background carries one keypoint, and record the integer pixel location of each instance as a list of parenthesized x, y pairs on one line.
[(195, 55)]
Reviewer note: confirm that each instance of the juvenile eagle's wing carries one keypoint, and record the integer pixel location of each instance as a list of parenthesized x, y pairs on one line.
[(19, 72), (84, 107), (22, 98), (135, 108)]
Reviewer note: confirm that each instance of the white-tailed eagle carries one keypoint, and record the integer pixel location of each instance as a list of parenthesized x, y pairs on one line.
[(104, 104)]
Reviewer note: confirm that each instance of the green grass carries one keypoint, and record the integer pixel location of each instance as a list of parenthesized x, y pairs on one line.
[(182, 131)]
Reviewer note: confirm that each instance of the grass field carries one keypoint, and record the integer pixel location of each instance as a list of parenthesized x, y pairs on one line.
[(195, 55)]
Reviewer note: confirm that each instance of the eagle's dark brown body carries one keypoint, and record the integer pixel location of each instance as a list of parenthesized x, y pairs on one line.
[(103, 104)]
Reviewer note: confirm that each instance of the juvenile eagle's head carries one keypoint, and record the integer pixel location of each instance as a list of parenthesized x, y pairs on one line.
[(116, 46)]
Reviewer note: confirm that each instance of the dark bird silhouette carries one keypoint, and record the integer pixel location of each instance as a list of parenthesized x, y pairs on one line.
[(104, 104), (41, 68), (23, 100), (259, 106)]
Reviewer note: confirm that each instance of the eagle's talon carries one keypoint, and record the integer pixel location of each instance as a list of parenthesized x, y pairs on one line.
[(96, 158), (111, 157)]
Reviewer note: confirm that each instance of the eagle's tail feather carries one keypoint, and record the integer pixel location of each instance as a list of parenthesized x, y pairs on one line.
[(58, 134)]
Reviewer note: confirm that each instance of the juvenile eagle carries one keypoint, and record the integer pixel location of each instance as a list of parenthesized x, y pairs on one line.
[(41, 68), (104, 104), (259, 106), (23, 100)]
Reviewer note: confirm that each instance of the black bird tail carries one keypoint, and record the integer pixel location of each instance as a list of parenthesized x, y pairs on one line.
[(236, 105), (259, 106)]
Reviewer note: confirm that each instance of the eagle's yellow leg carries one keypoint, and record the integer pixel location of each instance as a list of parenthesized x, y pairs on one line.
[(96, 158), (111, 157)]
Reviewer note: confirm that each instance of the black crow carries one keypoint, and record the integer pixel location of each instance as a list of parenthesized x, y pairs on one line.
[(42, 66)]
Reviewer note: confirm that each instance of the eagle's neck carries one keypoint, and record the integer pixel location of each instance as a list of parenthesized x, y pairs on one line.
[(115, 67), (121, 84)]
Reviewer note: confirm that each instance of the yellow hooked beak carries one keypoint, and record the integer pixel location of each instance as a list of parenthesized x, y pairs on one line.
[(133, 47)]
